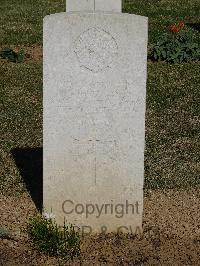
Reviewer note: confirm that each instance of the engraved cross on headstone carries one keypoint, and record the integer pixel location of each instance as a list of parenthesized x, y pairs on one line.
[(96, 146), (94, 5)]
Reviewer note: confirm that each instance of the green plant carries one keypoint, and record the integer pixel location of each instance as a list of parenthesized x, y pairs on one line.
[(176, 46), (4, 233), (12, 56), (57, 241)]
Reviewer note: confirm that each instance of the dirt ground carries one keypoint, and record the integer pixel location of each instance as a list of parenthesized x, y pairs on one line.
[(171, 237)]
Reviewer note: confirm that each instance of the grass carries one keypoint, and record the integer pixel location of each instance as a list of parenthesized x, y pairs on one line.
[(172, 124), (47, 236), (21, 20), (20, 118), (162, 13), (172, 139)]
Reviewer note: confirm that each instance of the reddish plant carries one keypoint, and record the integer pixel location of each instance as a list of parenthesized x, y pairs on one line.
[(177, 28)]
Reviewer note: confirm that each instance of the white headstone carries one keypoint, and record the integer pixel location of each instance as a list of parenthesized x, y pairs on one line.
[(94, 5), (94, 119), (80, 5)]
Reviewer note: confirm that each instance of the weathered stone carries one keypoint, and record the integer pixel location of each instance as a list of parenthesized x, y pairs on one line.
[(94, 119), (79, 5), (94, 5)]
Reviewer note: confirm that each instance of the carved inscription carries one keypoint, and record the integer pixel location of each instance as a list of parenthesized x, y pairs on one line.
[(96, 49)]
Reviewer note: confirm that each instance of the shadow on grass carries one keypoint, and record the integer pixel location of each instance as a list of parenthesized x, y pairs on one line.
[(30, 164), (195, 26)]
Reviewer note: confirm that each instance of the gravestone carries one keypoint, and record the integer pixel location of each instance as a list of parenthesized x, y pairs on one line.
[(94, 117), (94, 5)]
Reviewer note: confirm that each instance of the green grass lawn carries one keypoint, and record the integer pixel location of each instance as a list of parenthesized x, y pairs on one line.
[(21, 20), (172, 126), (172, 156), (162, 13), (20, 118)]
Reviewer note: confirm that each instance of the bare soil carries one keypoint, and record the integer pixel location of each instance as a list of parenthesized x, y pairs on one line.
[(171, 234)]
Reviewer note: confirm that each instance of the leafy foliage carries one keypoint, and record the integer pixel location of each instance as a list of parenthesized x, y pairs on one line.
[(54, 240), (176, 48), (4, 233), (12, 56)]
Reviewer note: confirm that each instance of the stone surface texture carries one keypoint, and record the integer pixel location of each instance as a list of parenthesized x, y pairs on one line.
[(94, 118), (94, 5)]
